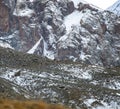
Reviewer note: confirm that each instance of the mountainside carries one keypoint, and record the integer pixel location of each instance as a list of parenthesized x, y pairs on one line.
[(79, 86), (115, 8), (61, 30), (59, 51)]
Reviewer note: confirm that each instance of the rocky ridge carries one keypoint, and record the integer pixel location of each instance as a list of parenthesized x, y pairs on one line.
[(61, 30)]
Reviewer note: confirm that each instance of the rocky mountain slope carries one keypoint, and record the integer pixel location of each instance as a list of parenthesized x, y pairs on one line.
[(61, 30), (79, 86), (115, 8)]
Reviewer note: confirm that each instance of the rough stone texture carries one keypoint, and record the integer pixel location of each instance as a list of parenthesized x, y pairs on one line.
[(4, 18), (66, 6), (117, 26), (94, 40), (82, 6)]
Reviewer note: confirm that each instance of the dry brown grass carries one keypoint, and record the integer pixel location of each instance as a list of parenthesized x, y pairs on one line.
[(15, 104)]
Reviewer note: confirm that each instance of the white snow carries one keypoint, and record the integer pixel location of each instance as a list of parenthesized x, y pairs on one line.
[(8, 37), (22, 12), (104, 105), (113, 85), (48, 53), (32, 25), (31, 0), (83, 56), (5, 45), (64, 37), (118, 94), (85, 41), (72, 19), (28, 79), (77, 72), (25, 12), (32, 50)]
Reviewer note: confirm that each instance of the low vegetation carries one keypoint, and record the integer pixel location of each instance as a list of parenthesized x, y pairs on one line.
[(14, 104)]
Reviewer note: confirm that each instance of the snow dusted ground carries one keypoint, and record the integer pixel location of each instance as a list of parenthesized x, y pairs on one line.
[(103, 105), (71, 84)]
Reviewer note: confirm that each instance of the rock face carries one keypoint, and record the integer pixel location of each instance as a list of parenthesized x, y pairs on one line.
[(60, 30), (115, 8)]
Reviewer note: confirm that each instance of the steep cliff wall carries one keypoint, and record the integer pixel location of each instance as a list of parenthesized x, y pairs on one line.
[(61, 30)]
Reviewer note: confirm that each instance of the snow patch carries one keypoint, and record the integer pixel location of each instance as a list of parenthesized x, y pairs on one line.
[(72, 19), (48, 53), (32, 50), (83, 56), (22, 12), (5, 45), (25, 12)]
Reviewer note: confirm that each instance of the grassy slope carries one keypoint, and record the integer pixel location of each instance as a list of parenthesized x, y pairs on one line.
[(8, 104)]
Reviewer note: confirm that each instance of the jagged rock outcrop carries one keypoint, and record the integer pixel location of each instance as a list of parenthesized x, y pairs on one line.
[(59, 30), (4, 17), (16, 25)]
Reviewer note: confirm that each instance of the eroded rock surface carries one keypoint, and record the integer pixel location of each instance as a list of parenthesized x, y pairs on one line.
[(60, 30)]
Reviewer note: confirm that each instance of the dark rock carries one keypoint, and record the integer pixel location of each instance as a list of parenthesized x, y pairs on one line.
[(66, 6), (117, 26), (18, 73), (82, 6), (4, 18), (41, 25)]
